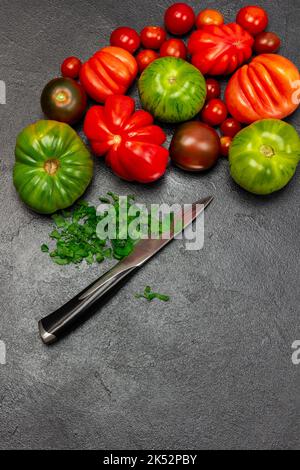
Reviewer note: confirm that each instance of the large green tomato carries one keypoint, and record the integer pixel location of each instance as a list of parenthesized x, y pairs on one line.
[(172, 90), (264, 156), (53, 166)]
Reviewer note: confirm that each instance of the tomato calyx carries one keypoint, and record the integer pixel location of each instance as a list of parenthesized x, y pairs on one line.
[(62, 97), (172, 80), (116, 141), (51, 166), (267, 151)]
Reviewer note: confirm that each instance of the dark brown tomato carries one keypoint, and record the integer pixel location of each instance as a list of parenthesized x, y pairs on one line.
[(195, 146), (267, 43), (64, 100)]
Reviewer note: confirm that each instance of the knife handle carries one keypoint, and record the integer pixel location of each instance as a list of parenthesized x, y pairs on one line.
[(58, 323)]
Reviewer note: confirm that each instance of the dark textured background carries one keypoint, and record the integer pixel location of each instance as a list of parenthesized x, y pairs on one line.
[(211, 369)]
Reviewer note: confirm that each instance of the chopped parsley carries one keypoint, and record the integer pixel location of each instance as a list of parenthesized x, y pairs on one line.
[(149, 295), (75, 234)]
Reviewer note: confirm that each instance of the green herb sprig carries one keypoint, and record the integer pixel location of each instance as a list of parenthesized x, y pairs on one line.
[(75, 235), (149, 295)]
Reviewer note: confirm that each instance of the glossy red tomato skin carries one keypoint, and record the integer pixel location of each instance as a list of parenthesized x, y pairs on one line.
[(220, 50), (126, 38), (213, 89), (214, 112), (267, 43), (145, 58), (179, 19), (230, 127), (195, 147), (174, 48), (70, 67), (209, 16), (253, 19), (225, 145), (129, 140), (110, 71), (153, 37)]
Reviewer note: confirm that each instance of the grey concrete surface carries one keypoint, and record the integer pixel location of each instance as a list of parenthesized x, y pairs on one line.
[(210, 369)]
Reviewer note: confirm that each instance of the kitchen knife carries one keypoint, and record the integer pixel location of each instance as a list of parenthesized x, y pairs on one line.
[(58, 323)]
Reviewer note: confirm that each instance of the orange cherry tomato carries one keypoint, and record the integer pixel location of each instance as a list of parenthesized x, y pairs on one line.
[(209, 16), (225, 145)]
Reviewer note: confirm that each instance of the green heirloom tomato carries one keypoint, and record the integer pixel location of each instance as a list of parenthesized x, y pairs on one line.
[(53, 166), (264, 156), (172, 90)]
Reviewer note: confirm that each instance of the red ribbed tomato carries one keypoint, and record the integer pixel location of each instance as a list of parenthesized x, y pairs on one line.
[(110, 71), (263, 89), (128, 139), (220, 50)]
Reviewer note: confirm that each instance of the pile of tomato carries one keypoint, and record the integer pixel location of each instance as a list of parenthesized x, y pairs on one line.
[(173, 89)]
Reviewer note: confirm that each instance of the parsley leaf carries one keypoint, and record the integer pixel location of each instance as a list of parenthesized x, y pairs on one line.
[(149, 295)]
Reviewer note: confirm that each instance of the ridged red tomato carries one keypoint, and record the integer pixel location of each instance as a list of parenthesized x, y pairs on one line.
[(110, 71), (128, 139), (263, 89), (220, 50)]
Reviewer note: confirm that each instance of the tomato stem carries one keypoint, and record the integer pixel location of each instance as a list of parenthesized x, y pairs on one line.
[(51, 166), (267, 151)]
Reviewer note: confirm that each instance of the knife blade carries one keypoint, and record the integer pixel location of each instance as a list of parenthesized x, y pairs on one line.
[(58, 323)]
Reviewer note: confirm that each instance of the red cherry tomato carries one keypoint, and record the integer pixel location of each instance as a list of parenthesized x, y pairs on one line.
[(174, 48), (225, 144), (266, 43), (145, 57), (207, 17), (230, 127), (214, 112), (153, 37), (254, 19), (213, 89), (179, 19), (127, 38), (70, 67)]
